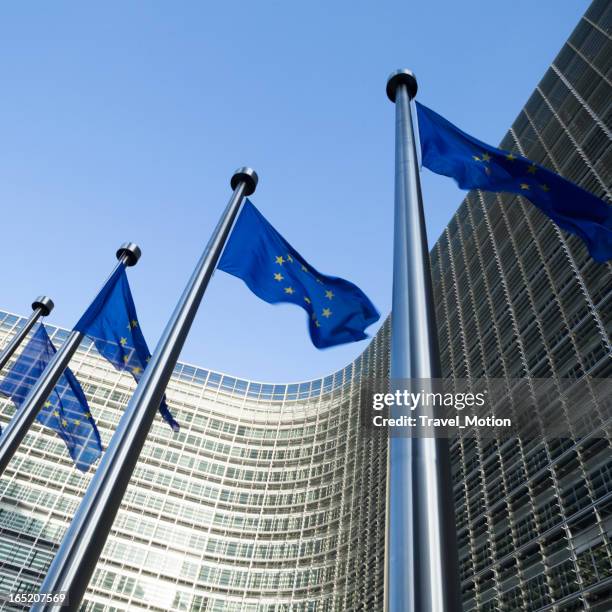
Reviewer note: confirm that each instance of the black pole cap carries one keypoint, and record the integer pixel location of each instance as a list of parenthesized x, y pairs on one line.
[(401, 77)]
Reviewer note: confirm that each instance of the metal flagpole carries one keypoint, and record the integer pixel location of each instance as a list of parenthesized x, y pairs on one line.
[(127, 255), (422, 564), (76, 559), (41, 307)]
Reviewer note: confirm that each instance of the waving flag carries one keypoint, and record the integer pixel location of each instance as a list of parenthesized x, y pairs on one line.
[(446, 150), (66, 410), (112, 324), (338, 311)]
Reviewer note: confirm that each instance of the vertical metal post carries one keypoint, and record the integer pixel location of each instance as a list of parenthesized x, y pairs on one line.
[(422, 566), (41, 307), (76, 559), (12, 436)]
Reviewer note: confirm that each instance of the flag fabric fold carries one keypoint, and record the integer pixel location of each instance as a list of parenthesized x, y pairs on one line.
[(112, 324), (66, 410), (446, 150), (338, 311)]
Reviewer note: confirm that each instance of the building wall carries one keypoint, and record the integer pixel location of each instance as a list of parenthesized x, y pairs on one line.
[(516, 297), (272, 497)]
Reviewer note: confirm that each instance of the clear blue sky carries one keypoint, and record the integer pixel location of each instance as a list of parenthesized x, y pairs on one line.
[(125, 121)]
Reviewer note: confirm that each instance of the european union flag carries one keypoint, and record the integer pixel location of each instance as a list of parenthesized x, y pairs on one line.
[(447, 150), (112, 324), (338, 311), (66, 410)]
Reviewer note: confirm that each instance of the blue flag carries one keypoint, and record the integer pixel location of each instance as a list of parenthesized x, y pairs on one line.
[(66, 410), (272, 269), (447, 150), (112, 324)]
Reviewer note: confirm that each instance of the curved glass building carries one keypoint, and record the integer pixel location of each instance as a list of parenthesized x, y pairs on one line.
[(272, 497)]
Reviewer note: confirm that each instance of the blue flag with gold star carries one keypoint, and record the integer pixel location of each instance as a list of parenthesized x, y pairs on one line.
[(111, 323), (446, 150), (338, 311), (66, 410)]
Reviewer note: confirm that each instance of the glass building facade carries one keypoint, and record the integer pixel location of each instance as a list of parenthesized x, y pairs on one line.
[(272, 497), (517, 297)]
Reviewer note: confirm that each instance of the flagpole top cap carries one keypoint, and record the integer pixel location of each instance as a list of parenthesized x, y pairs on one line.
[(247, 176), (401, 77), (44, 303), (131, 251)]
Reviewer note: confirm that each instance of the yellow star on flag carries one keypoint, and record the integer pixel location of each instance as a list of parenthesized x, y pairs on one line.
[(134, 323), (48, 404), (532, 169), (486, 157), (77, 422), (136, 370), (126, 358), (304, 268), (329, 295), (123, 341), (524, 186), (289, 258), (278, 276), (56, 413), (327, 313), (289, 290), (280, 260), (64, 422), (88, 415), (317, 323), (307, 300), (510, 157), (545, 187)]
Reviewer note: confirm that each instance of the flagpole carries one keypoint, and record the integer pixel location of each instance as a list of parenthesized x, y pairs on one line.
[(422, 564), (80, 549), (13, 434), (41, 307)]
